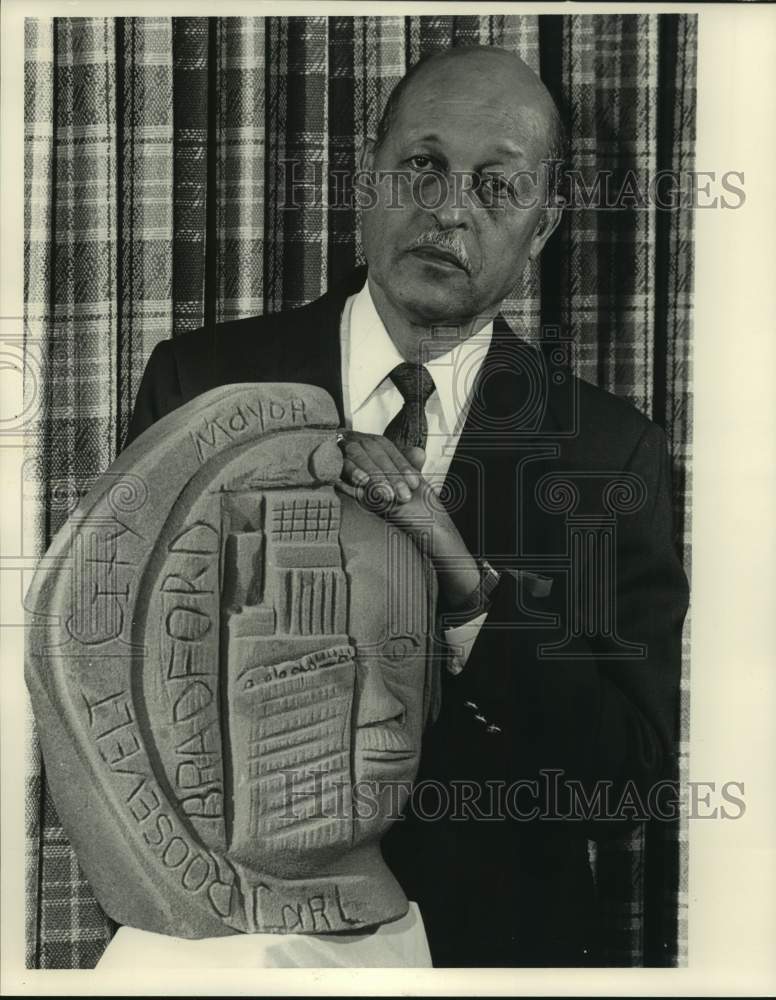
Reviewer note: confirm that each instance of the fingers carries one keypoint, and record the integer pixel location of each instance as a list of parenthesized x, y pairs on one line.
[(390, 468), (417, 457), (368, 463), (373, 460)]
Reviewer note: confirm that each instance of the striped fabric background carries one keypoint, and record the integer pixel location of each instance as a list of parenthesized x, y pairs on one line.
[(158, 170)]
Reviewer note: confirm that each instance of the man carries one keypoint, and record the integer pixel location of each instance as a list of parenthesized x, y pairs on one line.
[(545, 503)]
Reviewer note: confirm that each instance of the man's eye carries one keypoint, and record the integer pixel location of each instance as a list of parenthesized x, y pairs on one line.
[(421, 162), (494, 185)]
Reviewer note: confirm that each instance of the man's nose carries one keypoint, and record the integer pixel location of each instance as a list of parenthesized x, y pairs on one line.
[(450, 203), (374, 702)]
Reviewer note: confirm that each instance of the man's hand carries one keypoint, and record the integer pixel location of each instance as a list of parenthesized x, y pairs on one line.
[(389, 483), (374, 462)]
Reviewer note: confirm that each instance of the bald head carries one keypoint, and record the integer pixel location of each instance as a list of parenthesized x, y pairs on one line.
[(502, 76), (462, 197)]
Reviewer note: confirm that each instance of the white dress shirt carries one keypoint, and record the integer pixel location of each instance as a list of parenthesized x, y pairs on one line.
[(371, 401)]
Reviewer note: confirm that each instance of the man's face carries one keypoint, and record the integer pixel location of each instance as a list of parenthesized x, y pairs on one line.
[(447, 242)]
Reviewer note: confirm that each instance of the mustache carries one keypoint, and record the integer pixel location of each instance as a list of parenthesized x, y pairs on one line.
[(450, 242)]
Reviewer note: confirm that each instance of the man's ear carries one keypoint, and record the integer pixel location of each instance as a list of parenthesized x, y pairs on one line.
[(366, 156), (546, 226)]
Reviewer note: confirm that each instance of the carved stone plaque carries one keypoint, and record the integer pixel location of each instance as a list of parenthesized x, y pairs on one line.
[(230, 667)]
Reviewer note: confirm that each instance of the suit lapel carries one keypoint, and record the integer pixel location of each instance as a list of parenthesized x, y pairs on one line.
[(513, 411), (316, 342)]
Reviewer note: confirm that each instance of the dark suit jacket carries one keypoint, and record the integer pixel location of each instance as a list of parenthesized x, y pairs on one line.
[(599, 709)]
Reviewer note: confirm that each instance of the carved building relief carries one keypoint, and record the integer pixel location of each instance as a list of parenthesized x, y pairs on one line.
[(218, 659)]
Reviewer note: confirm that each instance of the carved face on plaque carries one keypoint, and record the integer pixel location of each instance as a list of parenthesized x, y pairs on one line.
[(230, 667)]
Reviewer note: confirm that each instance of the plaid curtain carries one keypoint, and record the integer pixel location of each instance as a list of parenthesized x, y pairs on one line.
[(159, 157)]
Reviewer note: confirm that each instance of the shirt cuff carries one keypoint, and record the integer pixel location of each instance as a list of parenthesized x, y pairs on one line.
[(461, 639)]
